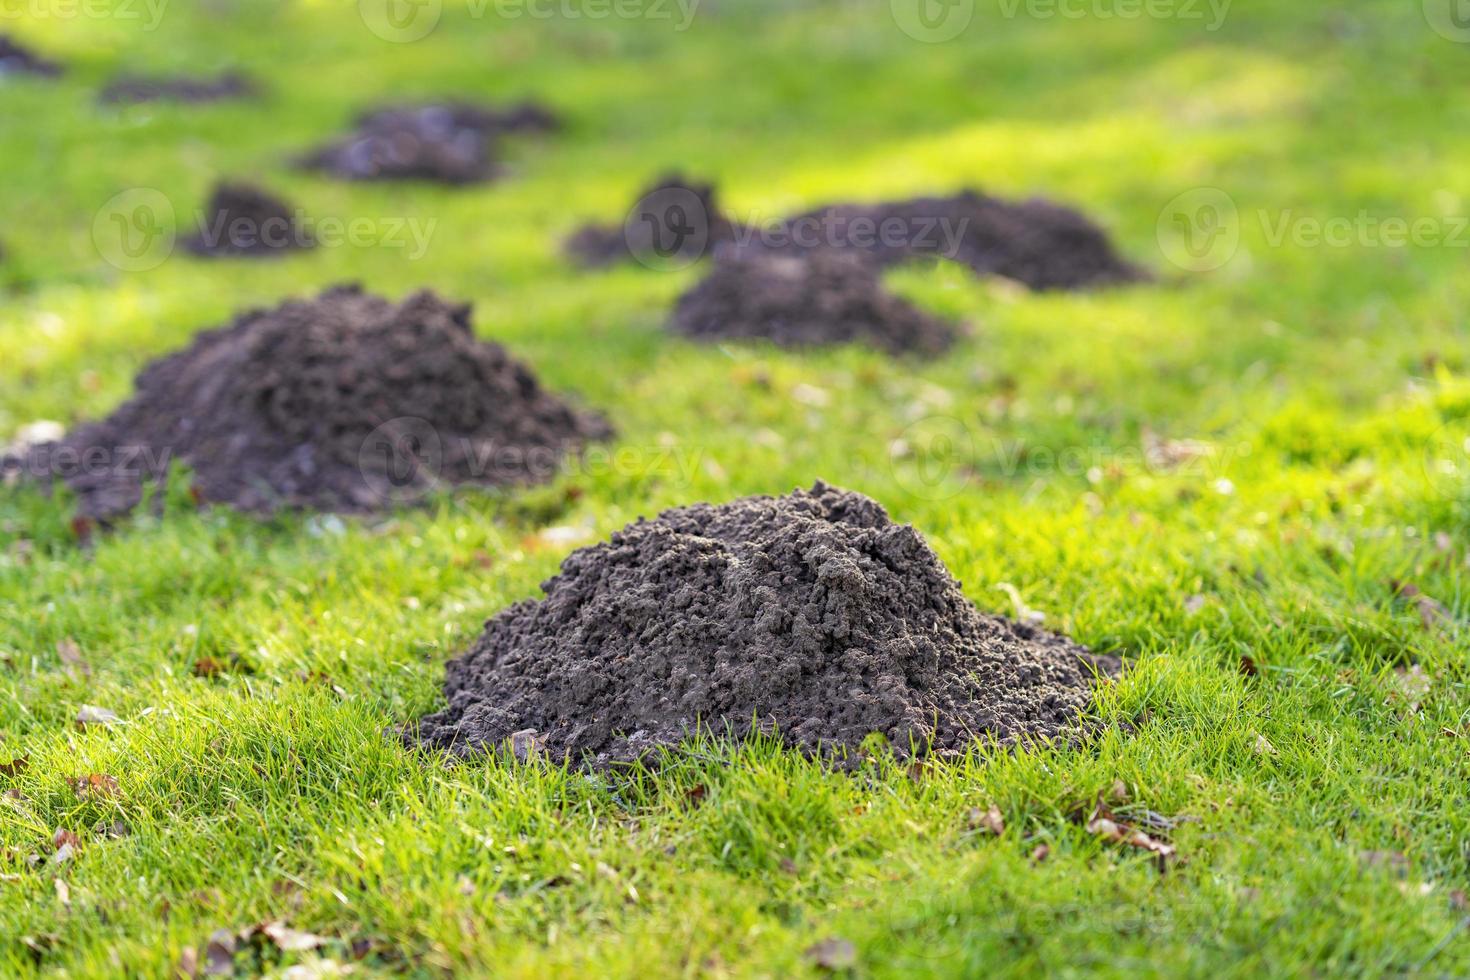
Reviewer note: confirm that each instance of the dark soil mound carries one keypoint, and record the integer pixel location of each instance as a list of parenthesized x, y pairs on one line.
[(674, 222), (346, 402), (242, 220), (813, 612), (182, 88), (1036, 242), (22, 61), (821, 297), (452, 143)]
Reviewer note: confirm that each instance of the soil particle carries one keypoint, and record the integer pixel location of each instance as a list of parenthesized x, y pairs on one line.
[(674, 222), (181, 88), (1036, 242), (452, 143), (346, 402), (812, 612), (242, 220), (824, 297), (15, 59)]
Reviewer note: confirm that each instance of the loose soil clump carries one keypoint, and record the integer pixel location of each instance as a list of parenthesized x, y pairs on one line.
[(19, 60), (674, 222), (346, 402), (245, 221), (822, 297), (453, 143), (1039, 243), (813, 613), (131, 89)]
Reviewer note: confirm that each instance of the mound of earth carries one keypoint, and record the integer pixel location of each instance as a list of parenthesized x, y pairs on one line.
[(178, 88), (813, 613), (820, 297), (242, 220), (22, 61), (1036, 242), (346, 402), (452, 143), (674, 222)]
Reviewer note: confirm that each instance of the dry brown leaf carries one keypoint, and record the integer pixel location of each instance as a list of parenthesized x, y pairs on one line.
[(1431, 610), (219, 955), (1411, 686), (1040, 853), (65, 838), (832, 954), (1114, 832), (291, 940), (1263, 746), (71, 658), (1194, 603), (15, 766), (95, 786), (92, 715), (188, 965), (989, 820)]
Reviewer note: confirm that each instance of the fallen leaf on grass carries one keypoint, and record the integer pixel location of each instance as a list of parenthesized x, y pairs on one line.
[(1112, 831), (832, 954), (1194, 604), (63, 893), (1431, 610), (95, 786), (65, 838), (1411, 685), (1263, 746), (188, 965), (15, 766), (219, 955), (71, 658), (1040, 853), (291, 940), (990, 820), (93, 715)]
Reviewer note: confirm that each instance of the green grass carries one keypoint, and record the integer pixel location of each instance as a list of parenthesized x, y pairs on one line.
[(1332, 383)]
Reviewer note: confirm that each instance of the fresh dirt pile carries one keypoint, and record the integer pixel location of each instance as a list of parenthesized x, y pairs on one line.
[(812, 612), (453, 143), (822, 297), (346, 402), (242, 220), (181, 88), (22, 61), (1036, 242), (674, 222)]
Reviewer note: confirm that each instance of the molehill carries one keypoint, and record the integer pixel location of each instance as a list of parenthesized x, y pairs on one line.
[(346, 402), (1036, 242), (451, 142), (130, 89), (812, 614), (243, 220), (823, 297), (18, 59), (674, 221)]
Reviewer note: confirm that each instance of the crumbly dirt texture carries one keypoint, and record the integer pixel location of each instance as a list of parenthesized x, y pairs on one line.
[(245, 221), (821, 297), (452, 143), (674, 221), (346, 402), (1042, 244), (18, 59), (812, 613), (178, 88)]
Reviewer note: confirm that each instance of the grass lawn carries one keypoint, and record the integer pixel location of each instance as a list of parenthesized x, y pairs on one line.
[(1299, 714)]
